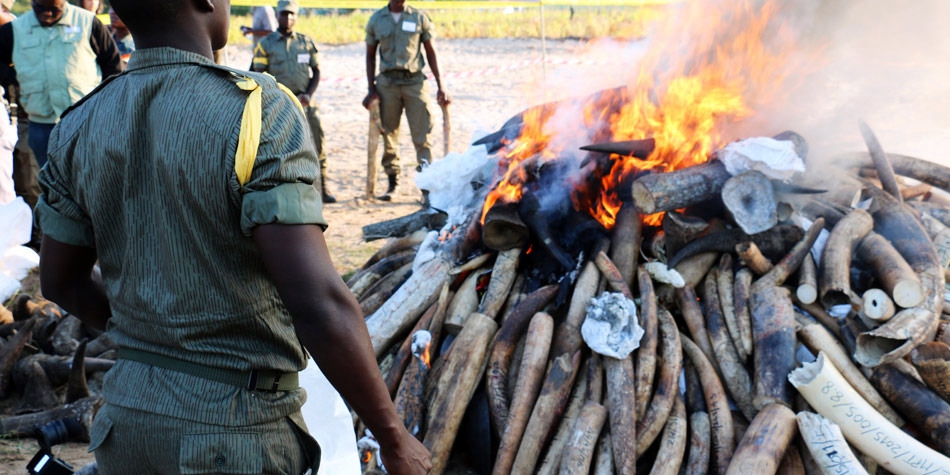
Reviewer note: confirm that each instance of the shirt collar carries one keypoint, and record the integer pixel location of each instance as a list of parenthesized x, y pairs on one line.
[(148, 57)]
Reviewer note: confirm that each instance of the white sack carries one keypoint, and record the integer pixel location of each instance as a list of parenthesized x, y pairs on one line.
[(774, 158), (329, 421)]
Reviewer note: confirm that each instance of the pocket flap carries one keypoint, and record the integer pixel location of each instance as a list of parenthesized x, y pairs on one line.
[(101, 428), (225, 453)]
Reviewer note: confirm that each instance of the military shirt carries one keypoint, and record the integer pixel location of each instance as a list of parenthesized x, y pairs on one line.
[(399, 45), (287, 58), (157, 196)]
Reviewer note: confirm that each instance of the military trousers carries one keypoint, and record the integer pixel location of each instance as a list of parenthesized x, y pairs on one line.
[(415, 100), (127, 441)]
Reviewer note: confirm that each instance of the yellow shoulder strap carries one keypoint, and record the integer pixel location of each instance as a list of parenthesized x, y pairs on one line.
[(250, 138)]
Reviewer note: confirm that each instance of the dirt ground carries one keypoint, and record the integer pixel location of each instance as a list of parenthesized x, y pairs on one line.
[(489, 80)]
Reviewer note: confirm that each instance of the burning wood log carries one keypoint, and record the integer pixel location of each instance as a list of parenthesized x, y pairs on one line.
[(580, 448), (827, 391), (834, 280), (425, 218), (537, 346), (827, 445), (463, 368), (750, 201), (917, 403), (764, 444), (679, 189), (932, 361)]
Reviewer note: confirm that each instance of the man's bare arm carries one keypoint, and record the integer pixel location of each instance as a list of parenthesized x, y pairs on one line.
[(370, 74), (442, 96), (328, 322), (66, 278)]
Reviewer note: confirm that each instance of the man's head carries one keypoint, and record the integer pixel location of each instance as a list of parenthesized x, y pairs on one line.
[(48, 12), (287, 11), (94, 6), (397, 6), (183, 24), (6, 5)]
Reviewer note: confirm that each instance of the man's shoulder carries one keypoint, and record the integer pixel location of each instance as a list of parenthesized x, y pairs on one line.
[(378, 14)]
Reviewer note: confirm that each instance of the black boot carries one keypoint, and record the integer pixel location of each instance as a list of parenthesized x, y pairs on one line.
[(390, 190), (327, 197)]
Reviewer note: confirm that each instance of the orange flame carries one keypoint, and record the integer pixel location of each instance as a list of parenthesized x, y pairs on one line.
[(686, 101), (426, 355)]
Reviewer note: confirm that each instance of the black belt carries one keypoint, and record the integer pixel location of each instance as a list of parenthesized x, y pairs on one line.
[(262, 380), (401, 74)]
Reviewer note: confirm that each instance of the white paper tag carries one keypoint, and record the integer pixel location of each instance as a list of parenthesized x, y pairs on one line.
[(409, 26), (71, 29), (303, 58)]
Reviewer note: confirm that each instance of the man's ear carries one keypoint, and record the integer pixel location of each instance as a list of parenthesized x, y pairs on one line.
[(203, 5)]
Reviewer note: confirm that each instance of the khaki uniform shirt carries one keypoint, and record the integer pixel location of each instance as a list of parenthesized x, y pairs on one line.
[(288, 58), (157, 196), (399, 45)]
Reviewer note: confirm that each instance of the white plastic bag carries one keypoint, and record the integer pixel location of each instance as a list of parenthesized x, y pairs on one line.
[(16, 223), (329, 421)]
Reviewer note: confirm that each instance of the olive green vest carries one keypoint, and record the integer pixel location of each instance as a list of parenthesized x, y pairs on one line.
[(55, 65)]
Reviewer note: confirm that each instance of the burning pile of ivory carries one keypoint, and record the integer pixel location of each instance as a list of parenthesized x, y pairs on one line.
[(46, 356), (775, 325)]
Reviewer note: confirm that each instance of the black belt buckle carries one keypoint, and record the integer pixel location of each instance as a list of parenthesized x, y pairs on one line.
[(252, 380)]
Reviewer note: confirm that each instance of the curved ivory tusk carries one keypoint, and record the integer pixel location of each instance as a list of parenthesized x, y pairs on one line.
[(827, 446), (828, 393)]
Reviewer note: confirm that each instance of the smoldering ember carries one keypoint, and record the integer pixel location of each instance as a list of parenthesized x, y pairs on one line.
[(619, 283)]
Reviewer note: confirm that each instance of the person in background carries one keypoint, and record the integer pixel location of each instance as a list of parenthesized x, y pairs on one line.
[(121, 36), (199, 207), (49, 58), (58, 53), (400, 33), (263, 23), (291, 57), (6, 15), (94, 6)]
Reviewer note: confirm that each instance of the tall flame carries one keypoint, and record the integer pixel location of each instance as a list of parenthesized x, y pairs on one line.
[(685, 100)]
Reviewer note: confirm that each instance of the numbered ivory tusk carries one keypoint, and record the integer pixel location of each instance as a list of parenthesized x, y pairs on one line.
[(830, 394)]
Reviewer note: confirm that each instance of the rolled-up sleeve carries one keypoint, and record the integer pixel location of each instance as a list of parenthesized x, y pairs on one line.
[(281, 186), (57, 213)]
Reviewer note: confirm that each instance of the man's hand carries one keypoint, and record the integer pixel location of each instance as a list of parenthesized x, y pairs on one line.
[(370, 96), (443, 98), (304, 100), (245, 30), (408, 457)]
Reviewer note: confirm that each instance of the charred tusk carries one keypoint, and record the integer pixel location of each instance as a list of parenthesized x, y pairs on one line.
[(625, 242), (885, 172), (735, 376), (775, 242), (834, 279), (725, 282), (551, 462), (646, 353), (921, 406), (463, 368), (537, 345), (764, 444), (773, 325), (666, 385), (673, 442), (932, 361), (717, 405), (396, 245), (790, 263), (78, 388), (580, 447)]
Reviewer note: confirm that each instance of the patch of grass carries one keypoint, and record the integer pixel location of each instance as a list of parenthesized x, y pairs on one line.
[(559, 23)]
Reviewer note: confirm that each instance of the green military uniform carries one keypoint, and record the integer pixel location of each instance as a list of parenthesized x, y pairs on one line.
[(290, 59), (160, 201), (401, 83)]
